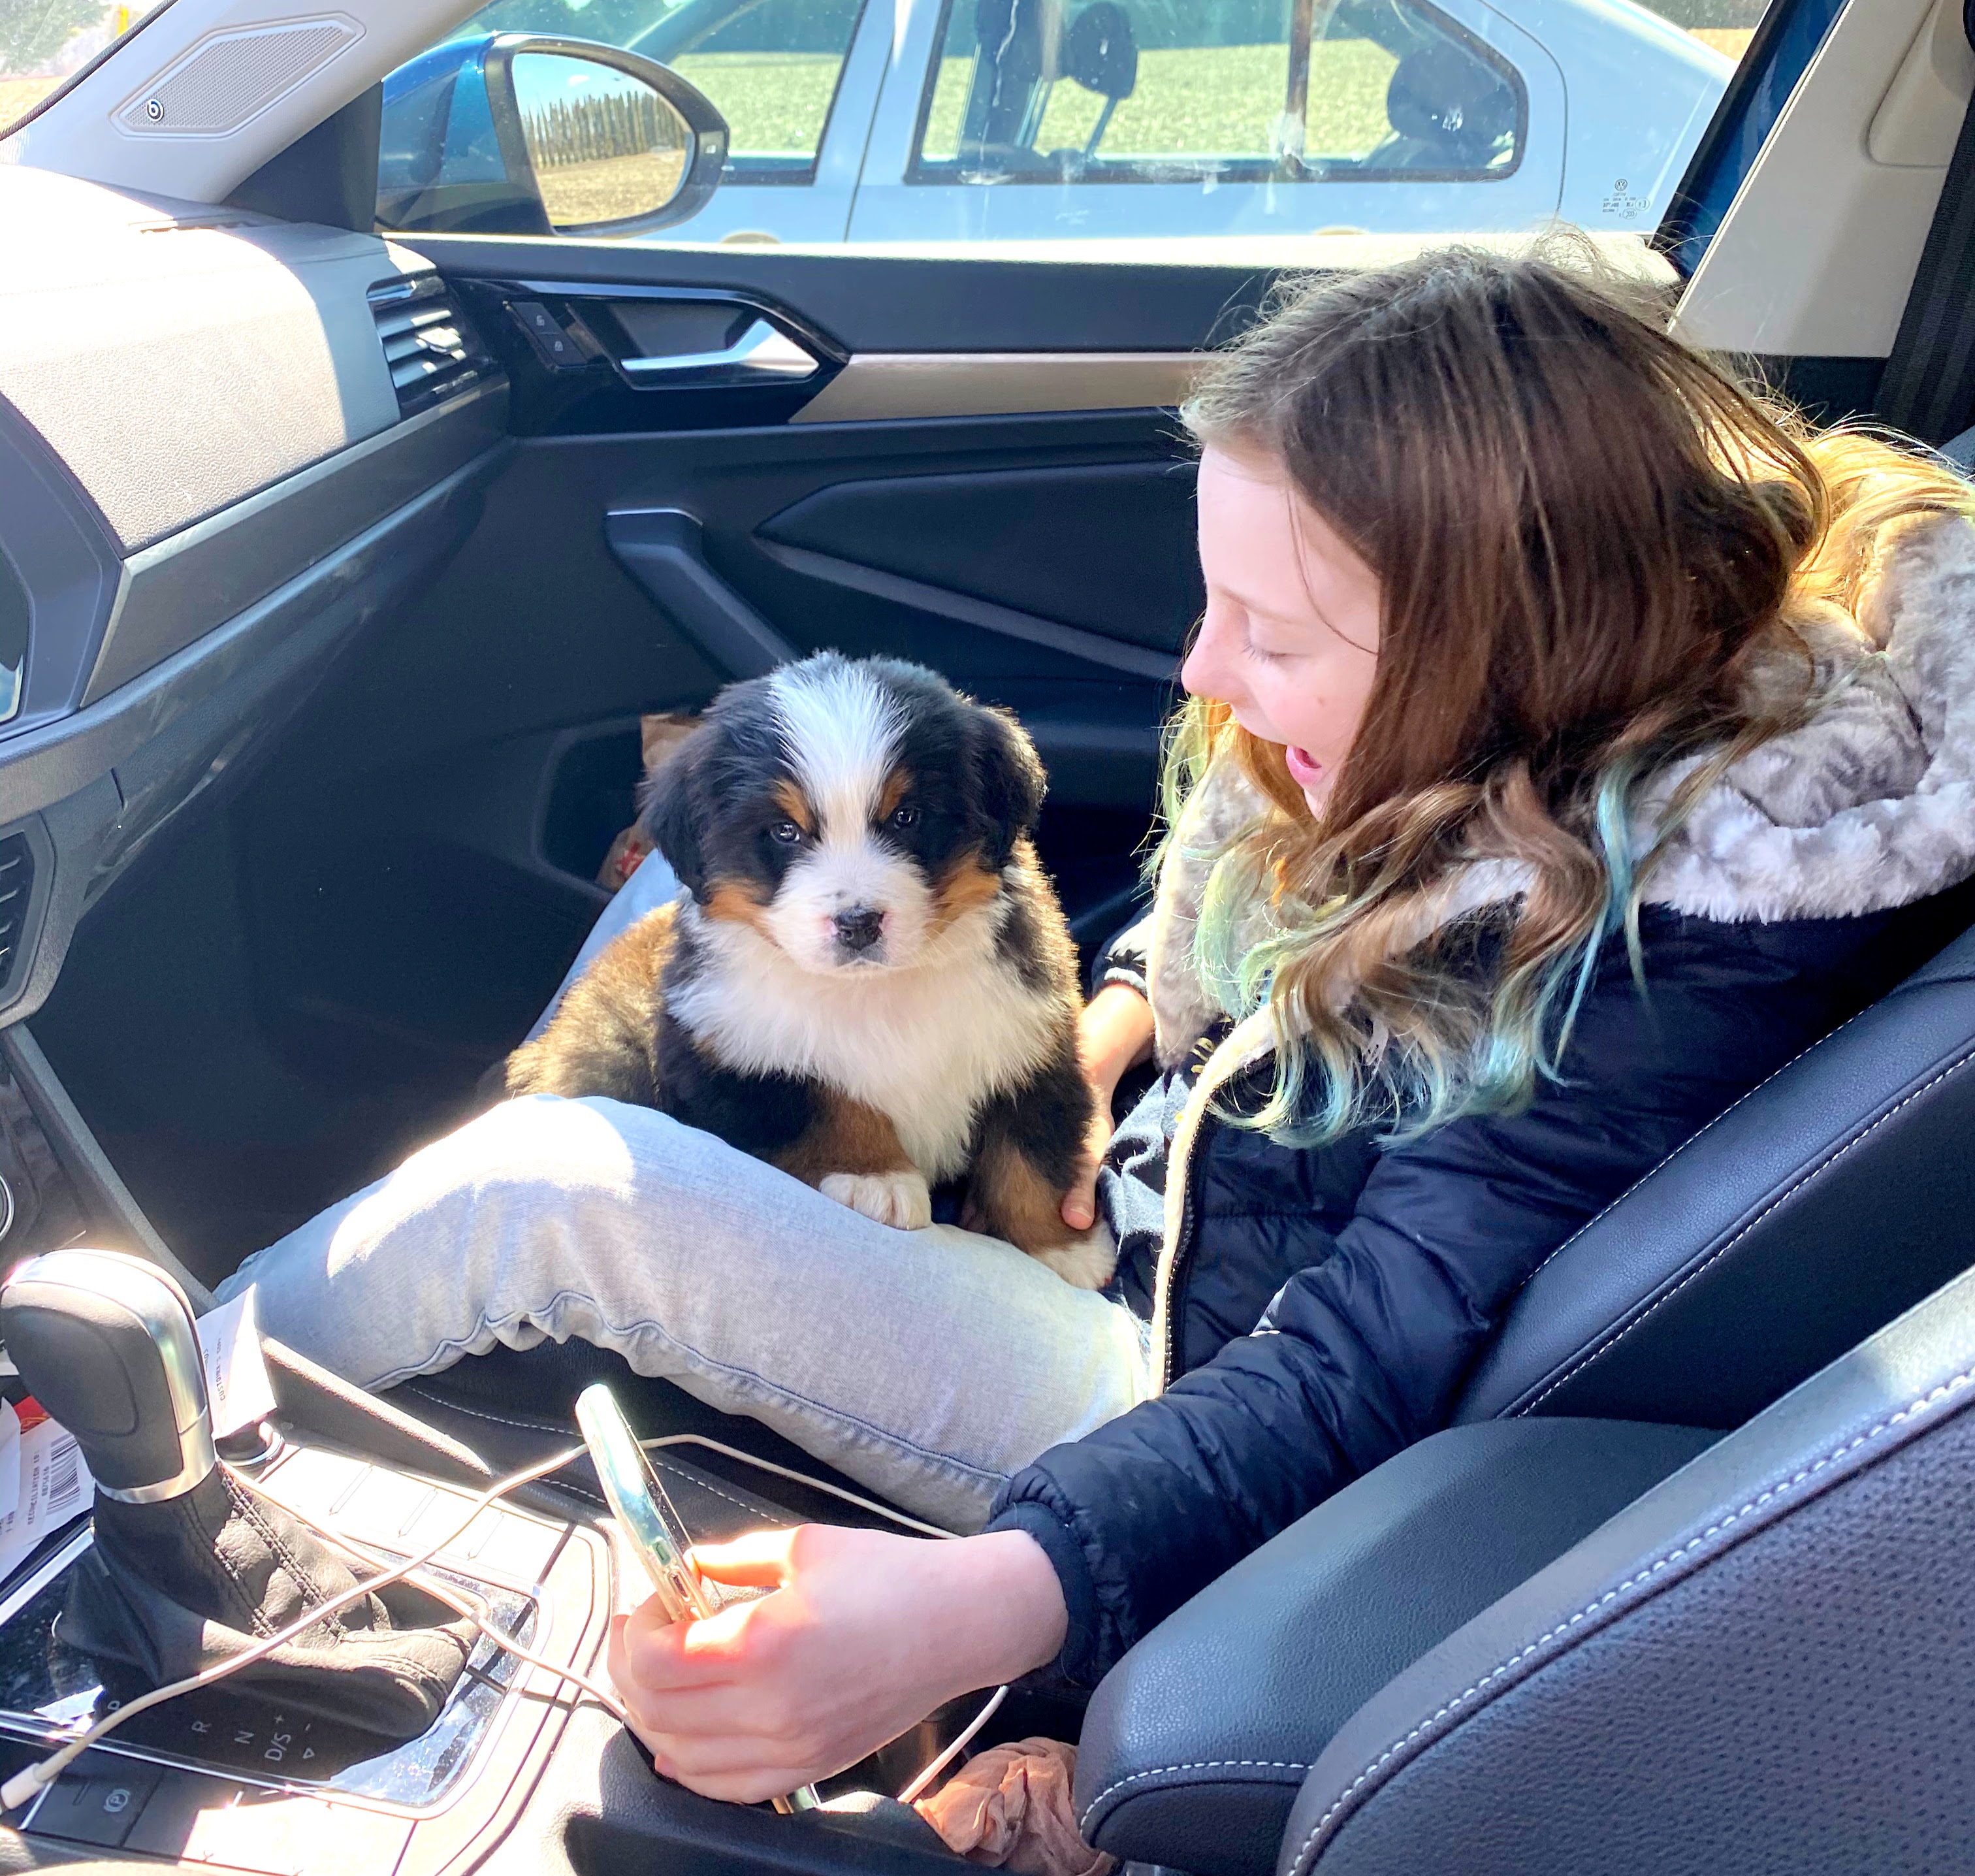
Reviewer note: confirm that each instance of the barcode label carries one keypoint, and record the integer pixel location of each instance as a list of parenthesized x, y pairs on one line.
[(55, 1486), (64, 1474)]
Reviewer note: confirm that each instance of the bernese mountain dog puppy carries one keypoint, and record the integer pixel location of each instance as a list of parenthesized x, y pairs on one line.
[(868, 981)]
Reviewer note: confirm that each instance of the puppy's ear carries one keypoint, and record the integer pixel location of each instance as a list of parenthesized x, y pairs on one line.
[(671, 817), (1008, 775)]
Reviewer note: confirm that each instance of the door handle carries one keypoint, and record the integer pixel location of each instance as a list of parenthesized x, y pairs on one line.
[(762, 355)]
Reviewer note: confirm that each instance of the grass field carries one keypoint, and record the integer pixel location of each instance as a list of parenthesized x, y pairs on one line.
[(611, 188), (775, 104)]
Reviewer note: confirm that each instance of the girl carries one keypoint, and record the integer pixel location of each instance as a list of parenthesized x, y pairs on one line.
[(1572, 741), (1567, 750)]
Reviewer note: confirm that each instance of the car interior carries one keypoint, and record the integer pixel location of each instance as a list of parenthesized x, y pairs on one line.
[(337, 571)]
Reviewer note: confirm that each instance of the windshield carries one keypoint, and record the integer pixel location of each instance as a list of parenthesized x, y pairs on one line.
[(44, 43)]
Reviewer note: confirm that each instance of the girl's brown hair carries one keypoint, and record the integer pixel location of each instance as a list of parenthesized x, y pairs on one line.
[(1589, 538)]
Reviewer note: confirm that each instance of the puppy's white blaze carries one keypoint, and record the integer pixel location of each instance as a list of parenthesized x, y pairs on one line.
[(834, 877), (841, 728)]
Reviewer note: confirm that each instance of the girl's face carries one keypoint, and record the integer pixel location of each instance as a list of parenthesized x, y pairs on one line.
[(1290, 637)]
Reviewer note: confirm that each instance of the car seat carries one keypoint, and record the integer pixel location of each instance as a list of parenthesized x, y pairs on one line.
[(1754, 1666), (1448, 110)]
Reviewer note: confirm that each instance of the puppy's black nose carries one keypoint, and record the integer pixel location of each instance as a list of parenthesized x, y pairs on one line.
[(860, 929)]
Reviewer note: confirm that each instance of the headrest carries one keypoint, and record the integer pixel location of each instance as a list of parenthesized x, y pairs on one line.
[(1442, 95)]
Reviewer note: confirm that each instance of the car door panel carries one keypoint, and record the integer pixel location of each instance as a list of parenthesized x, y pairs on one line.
[(1106, 548)]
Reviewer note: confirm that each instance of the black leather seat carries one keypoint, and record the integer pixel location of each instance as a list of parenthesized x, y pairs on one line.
[(1759, 1666), (1838, 1194)]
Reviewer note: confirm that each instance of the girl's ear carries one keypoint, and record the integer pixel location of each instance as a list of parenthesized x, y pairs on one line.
[(1008, 776), (670, 816)]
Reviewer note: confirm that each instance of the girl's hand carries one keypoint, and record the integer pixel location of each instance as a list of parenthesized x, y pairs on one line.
[(1114, 1034), (861, 1635)]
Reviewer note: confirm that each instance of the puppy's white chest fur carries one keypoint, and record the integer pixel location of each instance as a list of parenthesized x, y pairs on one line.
[(926, 1045)]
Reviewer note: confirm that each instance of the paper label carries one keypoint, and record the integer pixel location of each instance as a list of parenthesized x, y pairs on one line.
[(54, 1485), (10, 1457), (238, 1390)]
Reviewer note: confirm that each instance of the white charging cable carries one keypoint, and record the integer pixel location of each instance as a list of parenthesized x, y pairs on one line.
[(19, 1790), (465, 1602), (953, 1752), (931, 1771)]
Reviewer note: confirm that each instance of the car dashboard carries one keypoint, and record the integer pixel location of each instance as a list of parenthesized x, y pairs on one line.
[(228, 445)]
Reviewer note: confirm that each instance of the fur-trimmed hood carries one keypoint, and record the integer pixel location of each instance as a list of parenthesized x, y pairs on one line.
[(1869, 806)]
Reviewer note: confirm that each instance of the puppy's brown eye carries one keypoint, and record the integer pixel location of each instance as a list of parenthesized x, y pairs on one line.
[(904, 817), (787, 832)]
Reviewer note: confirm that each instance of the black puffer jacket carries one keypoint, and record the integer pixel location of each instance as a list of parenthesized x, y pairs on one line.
[(1315, 1311)]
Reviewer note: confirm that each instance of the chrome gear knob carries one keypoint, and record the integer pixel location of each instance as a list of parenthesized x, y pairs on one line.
[(106, 1343)]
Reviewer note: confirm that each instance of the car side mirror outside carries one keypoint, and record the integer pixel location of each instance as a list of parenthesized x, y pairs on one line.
[(519, 133)]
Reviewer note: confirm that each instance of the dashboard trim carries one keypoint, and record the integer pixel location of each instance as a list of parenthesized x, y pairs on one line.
[(68, 560), (175, 591)]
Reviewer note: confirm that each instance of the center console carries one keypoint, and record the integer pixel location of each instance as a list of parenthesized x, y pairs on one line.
[(519, 1770), (224, 1775)]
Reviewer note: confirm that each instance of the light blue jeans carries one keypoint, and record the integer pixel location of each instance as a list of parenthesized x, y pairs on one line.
[(926, 1364)]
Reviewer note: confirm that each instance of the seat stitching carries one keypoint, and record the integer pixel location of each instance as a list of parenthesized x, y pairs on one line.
[(691, 1478), (1692, 1139), (1192, 1765), (1611, 1340), (499, 1420), (1932, 1399)]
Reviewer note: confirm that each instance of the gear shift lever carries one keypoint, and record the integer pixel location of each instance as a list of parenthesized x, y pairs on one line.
[(189, 1564), (106, 1343)]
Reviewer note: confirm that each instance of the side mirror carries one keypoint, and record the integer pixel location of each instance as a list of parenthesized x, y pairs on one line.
[(517, 133)]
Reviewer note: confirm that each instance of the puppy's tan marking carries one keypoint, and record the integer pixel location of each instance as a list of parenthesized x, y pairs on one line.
[(851, 1154), (1012, 1199), (1008, 1197), (966, 885), (602, 1038), (893, 793), (846, 1136), (795, 804), (737, 902)]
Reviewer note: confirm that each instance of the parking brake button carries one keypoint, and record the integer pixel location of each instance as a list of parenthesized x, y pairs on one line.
[(97, 1807)]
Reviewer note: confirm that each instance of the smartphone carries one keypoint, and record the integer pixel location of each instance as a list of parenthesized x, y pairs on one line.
[(638, 1502), (644, 1514)]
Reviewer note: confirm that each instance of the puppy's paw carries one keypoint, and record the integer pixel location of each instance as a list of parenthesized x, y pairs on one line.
[(898, 1199), (1085, 1263)]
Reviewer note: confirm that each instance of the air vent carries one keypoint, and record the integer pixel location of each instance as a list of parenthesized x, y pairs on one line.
[(433, 354), (16, 885)]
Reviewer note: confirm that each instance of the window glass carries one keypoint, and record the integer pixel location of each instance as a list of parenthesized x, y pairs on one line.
[(771, 67), (45, 43), (1226, 117), (1170, 91)]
